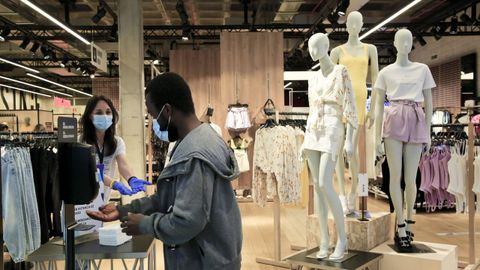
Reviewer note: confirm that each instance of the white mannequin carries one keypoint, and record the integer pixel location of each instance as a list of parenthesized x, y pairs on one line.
[(355, 48), (398, 151), (322, 165)]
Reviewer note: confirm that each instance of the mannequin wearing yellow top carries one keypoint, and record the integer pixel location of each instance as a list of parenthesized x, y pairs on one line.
[(356, 56)]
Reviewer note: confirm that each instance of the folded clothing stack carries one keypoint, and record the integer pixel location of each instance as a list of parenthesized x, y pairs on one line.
[(112, 235)]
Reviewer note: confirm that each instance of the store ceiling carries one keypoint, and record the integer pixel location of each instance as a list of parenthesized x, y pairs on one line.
[(214, 13)]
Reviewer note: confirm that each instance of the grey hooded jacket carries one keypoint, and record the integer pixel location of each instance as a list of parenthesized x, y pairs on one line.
[(194, 211)]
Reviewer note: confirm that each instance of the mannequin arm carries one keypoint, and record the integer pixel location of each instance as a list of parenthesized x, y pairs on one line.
[(427, 94), (379, 108), (348, 145), (335, 55), (373, 75)]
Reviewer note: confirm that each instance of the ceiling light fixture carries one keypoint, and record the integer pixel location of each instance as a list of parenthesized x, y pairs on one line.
[(58, 84), (35, 47), (101, 12), (35, 86), (421, 40), (113, 36), (316, 66), (18, 65), (5, 32), (466, 19), (57, 22), (391, 18), (342, 8), (24, 43), (287, 85), (454, 25), (45, 51), (64, 61), (24, 90), (438, 31)]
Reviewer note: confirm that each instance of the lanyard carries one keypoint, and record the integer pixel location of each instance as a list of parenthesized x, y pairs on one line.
[(100, 153)]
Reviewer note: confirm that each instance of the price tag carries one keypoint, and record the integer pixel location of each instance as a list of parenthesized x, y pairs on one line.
[(362, 188)]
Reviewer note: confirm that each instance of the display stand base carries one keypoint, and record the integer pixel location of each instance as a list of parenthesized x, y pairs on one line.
[(354, 260), (362, 235), (272, 262), (443, 258)]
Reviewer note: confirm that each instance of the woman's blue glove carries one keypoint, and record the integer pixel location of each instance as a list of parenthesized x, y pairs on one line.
[(137, 185), (124, 190)]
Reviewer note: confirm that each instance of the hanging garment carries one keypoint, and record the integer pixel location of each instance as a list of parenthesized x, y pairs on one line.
[(357, 67), (331, 100), (241, 154), (238, 119), (276, 168), (21, 228), (440, 118)]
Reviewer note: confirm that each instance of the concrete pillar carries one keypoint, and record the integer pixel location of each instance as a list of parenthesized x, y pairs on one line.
[(132, 105)]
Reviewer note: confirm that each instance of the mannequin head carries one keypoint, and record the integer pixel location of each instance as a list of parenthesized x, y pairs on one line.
[(354, 23), (403, 41), (318, 46)]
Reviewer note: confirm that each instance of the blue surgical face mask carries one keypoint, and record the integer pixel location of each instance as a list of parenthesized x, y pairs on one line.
[(102, 121), (161, 134)]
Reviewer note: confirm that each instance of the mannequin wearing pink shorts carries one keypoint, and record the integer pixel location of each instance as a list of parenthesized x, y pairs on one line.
[(405, 127)]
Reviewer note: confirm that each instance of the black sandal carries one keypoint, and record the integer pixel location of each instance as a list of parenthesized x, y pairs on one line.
[(409, 233), (402, 243)]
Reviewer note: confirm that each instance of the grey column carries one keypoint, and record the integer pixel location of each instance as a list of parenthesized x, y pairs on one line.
[(132, 105)]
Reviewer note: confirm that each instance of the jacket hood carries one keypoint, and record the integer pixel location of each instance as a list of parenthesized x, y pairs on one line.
[(205, 144)]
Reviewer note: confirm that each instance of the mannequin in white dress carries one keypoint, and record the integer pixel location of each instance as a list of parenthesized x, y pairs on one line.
[(331, 99), (406, 128), (359, 58)]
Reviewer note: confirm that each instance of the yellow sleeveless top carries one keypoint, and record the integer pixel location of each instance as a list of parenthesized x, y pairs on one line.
[(357, 67)]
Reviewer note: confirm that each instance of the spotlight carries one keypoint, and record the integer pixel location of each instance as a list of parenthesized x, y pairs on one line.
[(24, 43), (5, 32), (35, 47), (101, 12), (342, 8), (186, 32), (320, 29), (92, 76), (466, 19), (151, 53), (454, 26), (64, 61), (75, 66), (438, 31), (113, 32), (53, 56), (333, 18), (421, 40), (45, 51)]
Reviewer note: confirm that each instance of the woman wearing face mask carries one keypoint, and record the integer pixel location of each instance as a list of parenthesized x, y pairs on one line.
[(98, 122)]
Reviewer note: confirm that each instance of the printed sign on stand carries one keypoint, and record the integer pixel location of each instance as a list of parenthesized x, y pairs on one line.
[(362, 188)]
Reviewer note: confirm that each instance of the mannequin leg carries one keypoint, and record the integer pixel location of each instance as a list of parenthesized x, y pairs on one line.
[(411, 158), (313, 159), (354, 163), (325, 186), (340, 173), (394, 152)]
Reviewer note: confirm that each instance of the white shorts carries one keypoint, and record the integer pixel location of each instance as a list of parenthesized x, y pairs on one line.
[(238, 119)]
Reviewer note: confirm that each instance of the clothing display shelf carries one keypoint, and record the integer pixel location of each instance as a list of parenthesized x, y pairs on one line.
[(277, 260), (5, 142), (472, 262)]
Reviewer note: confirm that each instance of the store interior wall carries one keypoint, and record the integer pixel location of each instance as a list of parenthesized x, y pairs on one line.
[(445, 50), (108, 87), (448, 91), (254, 61)]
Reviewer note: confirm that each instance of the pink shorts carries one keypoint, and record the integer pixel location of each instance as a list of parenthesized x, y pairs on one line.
[(405, 121)]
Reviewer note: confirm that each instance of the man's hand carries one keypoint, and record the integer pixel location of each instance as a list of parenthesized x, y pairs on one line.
[(131, 224), (107, 213)]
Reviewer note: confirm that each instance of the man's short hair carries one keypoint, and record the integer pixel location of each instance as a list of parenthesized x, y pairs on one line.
[(171, 88)]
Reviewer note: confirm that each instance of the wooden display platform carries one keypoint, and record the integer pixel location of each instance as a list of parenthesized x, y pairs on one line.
[(362, 235), (444, 258), (359, 260)]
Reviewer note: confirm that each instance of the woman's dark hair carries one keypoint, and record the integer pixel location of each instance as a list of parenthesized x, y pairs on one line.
[(88, 134)]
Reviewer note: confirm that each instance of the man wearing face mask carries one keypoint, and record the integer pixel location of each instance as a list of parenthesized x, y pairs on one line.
[(194, 211)]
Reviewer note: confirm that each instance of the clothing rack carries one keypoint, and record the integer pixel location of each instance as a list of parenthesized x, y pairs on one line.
[(470, 181), (277, 260)]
